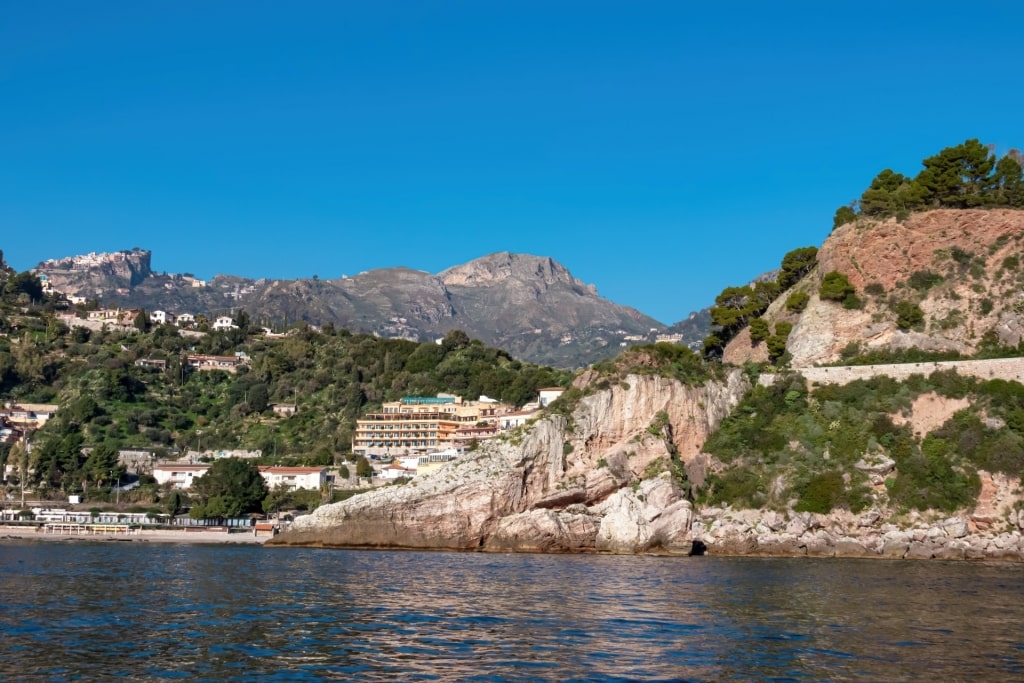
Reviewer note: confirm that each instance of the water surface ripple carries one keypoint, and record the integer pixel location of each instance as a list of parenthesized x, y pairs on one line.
[(133, 611)]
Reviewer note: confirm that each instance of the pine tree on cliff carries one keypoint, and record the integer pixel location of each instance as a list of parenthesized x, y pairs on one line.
[(966, 176)]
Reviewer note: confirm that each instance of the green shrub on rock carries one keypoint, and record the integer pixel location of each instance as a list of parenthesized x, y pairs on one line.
[(797, 301), (835, 286)]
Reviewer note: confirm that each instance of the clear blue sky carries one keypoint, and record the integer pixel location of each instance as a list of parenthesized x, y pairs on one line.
[(660, 150)]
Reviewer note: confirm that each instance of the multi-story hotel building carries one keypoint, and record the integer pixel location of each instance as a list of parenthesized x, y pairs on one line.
[(421, 424), (412, 425)]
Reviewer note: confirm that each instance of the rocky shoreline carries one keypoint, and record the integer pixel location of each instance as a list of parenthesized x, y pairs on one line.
[(761, 533), (607, 480)]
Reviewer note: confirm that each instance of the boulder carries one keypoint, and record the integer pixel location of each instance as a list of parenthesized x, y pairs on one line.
[(544, 531), (850, 547), (920, 551), (895, 549)]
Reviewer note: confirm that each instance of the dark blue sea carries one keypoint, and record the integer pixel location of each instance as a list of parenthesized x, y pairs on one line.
[(82, 611)]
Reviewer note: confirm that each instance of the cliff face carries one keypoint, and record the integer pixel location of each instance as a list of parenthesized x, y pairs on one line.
[(603, 481), (607, 480), (962, 268), (92, 274)]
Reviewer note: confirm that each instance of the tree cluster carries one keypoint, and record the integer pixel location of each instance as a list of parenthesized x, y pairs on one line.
[(736, 307), (969, 175)]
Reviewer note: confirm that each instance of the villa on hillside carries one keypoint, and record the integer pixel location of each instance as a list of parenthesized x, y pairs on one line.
[(178, 475), (226, 363), (28, 414), (518, 418), (284, 408), (550, 394), (224, 322), (312, 478), (162, 318), (119, 316)]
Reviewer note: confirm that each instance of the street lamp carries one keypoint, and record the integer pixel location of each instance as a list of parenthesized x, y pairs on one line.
[(24, 469), (117, 489)]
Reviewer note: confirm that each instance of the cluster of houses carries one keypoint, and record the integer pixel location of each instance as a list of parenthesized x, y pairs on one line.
[(18, 418), (197, 361), (127, 316), (408, 438)]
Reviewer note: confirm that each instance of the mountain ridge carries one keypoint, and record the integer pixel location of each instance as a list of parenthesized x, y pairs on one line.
[(531, 306)]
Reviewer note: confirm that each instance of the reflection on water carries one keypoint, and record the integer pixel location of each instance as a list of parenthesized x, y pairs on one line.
[(94, 611)]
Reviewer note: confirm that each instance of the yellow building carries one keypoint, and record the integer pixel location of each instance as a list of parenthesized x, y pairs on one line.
[(412, 425), (423, 424)]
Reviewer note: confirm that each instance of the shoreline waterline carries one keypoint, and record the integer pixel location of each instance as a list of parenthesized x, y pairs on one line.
[(135, 536)]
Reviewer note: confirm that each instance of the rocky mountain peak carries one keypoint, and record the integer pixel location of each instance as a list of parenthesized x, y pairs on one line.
[(530, 306), (505, 265)]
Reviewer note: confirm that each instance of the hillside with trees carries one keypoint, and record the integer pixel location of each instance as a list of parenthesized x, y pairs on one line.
[(919, 270), (107, 402)]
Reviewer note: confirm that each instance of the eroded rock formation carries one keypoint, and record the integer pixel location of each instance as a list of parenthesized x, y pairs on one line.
[(605, 481), (608, 479)]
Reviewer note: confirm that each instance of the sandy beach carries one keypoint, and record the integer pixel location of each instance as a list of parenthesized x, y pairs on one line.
[(9, 533)]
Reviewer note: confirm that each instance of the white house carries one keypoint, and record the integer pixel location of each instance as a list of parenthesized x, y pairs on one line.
[(550, 394), (517, 419), (394, 471), (178, 475), (186, 320), (294, 477), (161, 318), (224, 322)]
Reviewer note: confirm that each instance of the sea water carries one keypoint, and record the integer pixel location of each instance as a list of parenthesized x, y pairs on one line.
[(90, 611)]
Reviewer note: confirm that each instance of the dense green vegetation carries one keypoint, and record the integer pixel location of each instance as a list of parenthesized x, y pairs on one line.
[(230, 488), (108, 403), (736, 307), (968, 175), (784, 444), (665, 360)]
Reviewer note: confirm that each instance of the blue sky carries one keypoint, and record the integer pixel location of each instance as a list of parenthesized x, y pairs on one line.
[(659, 150)]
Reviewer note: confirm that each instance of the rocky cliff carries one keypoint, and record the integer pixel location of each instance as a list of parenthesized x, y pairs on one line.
[(961, 268), (608, 478), (992, 530), (97, 274)]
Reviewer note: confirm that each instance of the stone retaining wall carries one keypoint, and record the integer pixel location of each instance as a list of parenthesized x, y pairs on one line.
[(1010, 369)]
